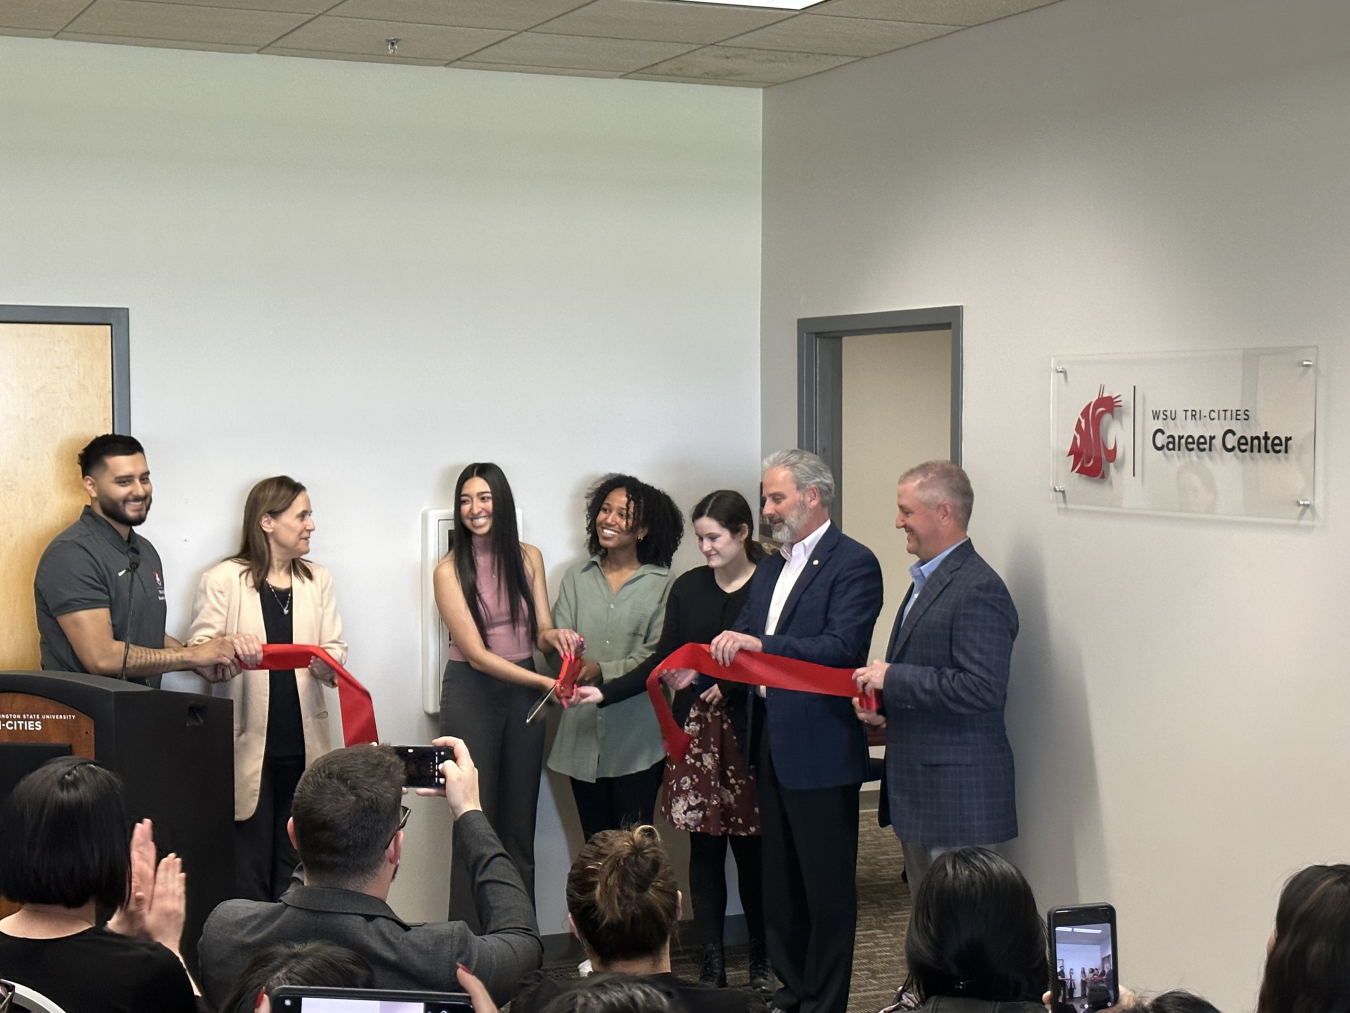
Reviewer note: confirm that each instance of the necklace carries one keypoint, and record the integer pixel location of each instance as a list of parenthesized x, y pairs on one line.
[(285, 605)]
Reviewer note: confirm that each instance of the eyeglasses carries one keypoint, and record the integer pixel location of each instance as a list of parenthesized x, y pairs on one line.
[(403, 813)]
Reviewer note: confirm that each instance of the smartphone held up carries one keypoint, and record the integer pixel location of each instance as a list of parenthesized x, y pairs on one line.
[(422, 764), (1083, 969)]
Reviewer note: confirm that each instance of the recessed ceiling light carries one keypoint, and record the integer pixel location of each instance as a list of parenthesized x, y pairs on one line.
[(782, 5)]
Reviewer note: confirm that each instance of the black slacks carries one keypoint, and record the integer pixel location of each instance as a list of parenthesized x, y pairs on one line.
[(708, 883), (810, 892), (489, 715), (264, 857), (611, 803)]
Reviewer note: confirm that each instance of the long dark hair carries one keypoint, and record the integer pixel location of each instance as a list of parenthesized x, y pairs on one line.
[(507, 558), (1308, 970), (976, 931), (728, 508), (269, 497), (648, 508), (621, 894)]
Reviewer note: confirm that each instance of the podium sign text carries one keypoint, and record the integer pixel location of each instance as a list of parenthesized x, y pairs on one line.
[(1226, 433), (28, 718)]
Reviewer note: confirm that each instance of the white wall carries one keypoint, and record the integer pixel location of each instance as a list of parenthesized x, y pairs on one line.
[(1102, 177), (367, 276)]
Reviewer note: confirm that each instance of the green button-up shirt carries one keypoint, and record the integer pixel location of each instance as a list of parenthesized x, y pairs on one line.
[(620, 630)]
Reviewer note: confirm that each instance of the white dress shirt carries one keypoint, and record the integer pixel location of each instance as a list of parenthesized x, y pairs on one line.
[(797, 556)]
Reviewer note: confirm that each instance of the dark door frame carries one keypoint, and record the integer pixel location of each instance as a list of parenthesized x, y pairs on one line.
[(116, 318), (820, 360)]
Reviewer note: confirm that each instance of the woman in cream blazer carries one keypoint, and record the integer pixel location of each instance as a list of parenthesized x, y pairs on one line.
[(229, 603)]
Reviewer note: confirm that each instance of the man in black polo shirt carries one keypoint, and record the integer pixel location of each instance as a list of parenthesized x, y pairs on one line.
[(99, 588)]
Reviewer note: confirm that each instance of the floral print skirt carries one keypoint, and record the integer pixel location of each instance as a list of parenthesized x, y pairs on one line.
[(710, 791)]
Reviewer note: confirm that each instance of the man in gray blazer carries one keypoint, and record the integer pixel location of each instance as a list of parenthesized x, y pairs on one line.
[(948, 780), (347, 824)]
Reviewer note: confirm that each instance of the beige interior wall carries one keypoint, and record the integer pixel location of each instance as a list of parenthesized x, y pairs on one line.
[(897, 413), (55, 396)]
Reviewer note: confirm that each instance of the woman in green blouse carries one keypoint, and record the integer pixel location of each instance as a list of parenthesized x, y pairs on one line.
[(616, 600)]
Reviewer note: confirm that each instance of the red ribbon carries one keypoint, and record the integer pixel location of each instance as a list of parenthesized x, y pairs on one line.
[(567, 678), (358, 712), (753, 668)]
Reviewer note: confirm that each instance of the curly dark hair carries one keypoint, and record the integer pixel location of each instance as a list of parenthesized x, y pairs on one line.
[(650, 508)]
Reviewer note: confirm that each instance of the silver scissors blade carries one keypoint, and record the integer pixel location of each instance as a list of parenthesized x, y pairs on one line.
[(534, 711)]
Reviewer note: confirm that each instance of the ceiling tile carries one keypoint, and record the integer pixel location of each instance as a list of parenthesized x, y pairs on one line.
[(811, 33), (576, 52), (315, 54), (760, 66), (39, 15), (661, 21), (565, 71), (370, 38), (937, 12), (284, 6), (139, 19), (695, 80), (515, 15), (127, 40)]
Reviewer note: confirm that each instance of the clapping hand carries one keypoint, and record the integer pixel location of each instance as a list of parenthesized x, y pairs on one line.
[(157, 903)]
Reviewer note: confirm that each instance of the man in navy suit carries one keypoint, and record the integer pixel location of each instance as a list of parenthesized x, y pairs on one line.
[(949, 768), (816, 600)]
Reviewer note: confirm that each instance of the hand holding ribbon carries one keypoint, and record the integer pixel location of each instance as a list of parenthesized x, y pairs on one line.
[(750, 667), (358, 710)]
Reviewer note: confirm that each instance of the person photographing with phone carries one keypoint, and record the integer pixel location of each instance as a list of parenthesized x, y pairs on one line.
[(347, 823)]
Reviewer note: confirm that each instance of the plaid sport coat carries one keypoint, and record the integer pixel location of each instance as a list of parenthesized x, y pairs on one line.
[(949, 768)]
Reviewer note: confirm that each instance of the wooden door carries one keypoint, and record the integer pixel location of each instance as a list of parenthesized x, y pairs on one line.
[(56, 394)]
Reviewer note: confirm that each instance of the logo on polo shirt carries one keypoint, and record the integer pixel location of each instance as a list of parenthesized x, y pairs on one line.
[(1088, 450), (159, 585)]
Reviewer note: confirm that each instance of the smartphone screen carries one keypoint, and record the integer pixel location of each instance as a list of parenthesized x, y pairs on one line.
[(1084, 965), (422, 768), (294, 999)]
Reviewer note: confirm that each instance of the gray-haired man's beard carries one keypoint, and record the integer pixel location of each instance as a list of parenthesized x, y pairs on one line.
[(790, 526)]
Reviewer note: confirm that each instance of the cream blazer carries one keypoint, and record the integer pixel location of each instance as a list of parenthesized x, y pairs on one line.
[(226, 602)]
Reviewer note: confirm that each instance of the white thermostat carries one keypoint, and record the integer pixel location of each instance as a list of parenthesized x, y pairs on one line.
[(437, 527)]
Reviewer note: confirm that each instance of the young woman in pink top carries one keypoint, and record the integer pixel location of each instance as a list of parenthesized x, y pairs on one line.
[(493, 597)]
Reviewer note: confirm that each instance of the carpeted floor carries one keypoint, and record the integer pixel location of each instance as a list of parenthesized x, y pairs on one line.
[(883, 916)]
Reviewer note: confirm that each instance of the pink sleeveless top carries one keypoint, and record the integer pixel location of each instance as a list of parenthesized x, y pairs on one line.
[(504, 640)]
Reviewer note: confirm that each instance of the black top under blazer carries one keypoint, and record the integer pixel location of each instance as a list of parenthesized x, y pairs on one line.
[(949, 767), (816, 741)]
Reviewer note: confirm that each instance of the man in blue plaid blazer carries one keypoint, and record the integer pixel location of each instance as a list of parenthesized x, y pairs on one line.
[(948, 781)]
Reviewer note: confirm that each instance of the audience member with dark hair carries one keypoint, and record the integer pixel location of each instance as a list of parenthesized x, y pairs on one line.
[(63, 856), (623, 905), (312, 963), (347, 825), (616, 601), (710, 792), (976, 934), (1178, 1001), (1308, 956)]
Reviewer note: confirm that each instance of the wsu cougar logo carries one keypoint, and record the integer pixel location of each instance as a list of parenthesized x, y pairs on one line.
[(1090, 456)]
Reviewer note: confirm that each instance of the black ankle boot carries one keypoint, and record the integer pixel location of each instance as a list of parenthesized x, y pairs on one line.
[(761, 974), (714, 966)]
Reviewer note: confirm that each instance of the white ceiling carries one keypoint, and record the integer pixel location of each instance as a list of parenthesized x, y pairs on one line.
[(659, 40)]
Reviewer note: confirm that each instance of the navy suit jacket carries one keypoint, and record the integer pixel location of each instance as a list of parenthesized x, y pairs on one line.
[(949, 767), (816, 741)]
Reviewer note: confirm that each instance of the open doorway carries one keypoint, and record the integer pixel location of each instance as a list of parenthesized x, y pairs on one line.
[(877, 394)]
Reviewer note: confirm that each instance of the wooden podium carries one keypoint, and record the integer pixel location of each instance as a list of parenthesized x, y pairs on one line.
[(174, 752)]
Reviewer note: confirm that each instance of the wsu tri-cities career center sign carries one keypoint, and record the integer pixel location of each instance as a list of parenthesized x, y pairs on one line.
[(1226, 433)]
